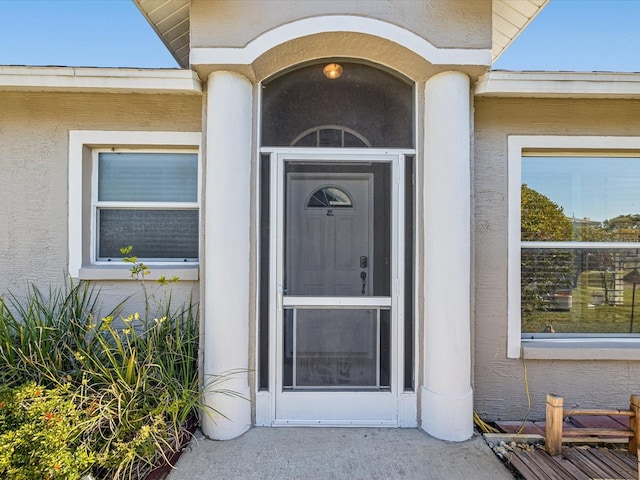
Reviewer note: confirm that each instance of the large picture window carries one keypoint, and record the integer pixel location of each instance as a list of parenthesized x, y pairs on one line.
[(577, 223)]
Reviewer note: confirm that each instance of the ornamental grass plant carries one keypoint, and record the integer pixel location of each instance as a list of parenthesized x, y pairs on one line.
[(85, 394)]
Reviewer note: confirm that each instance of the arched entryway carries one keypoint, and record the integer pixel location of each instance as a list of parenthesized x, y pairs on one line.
[(244, 171), (336, 320)]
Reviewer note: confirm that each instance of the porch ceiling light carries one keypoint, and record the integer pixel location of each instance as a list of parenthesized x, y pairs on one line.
[(332, 71)]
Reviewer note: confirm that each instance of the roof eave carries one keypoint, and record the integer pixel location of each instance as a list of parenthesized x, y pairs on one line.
[(505, 84), (144, 6), (99, 80)]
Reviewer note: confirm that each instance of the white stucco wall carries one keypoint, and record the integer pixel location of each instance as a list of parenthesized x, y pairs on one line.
[(34, 169), (447, 24), (499, 383)]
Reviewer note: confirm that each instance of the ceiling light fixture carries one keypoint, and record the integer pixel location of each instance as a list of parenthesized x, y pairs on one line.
[(332, 71)]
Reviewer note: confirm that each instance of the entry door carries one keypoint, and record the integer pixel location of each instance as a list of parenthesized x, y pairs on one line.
[(329, 234), (336, 333)]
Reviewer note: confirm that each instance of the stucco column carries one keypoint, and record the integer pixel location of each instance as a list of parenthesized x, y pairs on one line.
[(447, 398), (226, 254)]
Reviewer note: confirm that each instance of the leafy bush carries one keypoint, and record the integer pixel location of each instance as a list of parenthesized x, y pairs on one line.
[(84, 393), (39, 434)]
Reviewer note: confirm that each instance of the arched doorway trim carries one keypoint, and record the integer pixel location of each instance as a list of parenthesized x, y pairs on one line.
[(338, 23)]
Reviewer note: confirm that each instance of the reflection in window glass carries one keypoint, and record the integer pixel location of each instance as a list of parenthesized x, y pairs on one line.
[(329, 197), (595, 197), (580, 290), (571, 286)]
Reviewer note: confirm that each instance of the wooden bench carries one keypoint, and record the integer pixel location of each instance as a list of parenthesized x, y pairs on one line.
[(554, 435)]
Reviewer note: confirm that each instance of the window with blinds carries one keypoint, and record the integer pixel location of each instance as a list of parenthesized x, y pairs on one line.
[(149, 200)]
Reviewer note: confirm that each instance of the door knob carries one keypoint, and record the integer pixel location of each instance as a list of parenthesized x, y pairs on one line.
[(363, 277)]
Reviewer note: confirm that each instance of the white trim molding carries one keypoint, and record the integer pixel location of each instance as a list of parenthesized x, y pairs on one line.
[(560, 347), (99, 80), (338, 23), (558, 85)]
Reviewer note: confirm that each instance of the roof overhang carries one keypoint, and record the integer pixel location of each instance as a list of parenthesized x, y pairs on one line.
[(170, 20), (558, 85), (509, 19), (99, 80)]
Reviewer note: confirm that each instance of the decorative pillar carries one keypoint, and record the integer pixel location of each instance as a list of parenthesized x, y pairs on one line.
[(447, 398), (226, 279)]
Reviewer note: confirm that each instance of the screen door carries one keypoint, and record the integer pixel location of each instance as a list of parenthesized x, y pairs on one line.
[(336, 329)]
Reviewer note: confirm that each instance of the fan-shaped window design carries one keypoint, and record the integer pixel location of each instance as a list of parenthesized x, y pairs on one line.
[(330, 136), (329, 197)]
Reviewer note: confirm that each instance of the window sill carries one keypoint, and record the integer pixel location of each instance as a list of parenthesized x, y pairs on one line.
[(123, 272), (582, 349)]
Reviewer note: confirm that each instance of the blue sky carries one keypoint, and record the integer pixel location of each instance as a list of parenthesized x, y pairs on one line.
[(91, 33), (579, 35), (586, 187)]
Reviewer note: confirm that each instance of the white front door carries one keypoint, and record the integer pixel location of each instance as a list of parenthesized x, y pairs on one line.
[(336, 319)]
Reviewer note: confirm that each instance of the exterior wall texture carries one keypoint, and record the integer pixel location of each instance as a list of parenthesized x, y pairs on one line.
[(499, 383), (446, 24), (34, 140)]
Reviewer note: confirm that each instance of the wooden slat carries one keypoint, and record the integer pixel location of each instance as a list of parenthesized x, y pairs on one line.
[(570, 467), (597, 411), (606, 464), (587, 467), (523, 467), (596, 440), (596, 432), (606, 456), (626, 457), (590, 465), (548, 465), (575, 464)]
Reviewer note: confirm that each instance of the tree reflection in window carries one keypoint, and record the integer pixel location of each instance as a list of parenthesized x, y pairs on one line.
[(329, 197)]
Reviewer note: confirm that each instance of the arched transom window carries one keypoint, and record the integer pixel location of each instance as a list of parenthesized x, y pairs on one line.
[(363, 107)]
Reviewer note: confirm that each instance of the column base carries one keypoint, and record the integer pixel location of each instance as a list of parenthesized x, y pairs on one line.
[(232, 415), (447, 417)]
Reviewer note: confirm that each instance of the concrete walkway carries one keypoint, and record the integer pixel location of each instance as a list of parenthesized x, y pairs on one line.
[(338, 453)]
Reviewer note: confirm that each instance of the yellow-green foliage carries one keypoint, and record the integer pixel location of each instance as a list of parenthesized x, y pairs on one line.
[(85, 393), (39, 434)]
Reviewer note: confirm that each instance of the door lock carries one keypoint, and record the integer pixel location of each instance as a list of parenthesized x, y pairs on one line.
[(364, 261), (363, 277)]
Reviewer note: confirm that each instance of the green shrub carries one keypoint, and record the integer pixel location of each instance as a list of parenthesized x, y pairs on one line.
[(39, 434), (120, 388)]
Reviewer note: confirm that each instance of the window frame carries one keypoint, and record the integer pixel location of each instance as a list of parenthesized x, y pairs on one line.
[(557, 346), (84, 148), (97, 204)]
